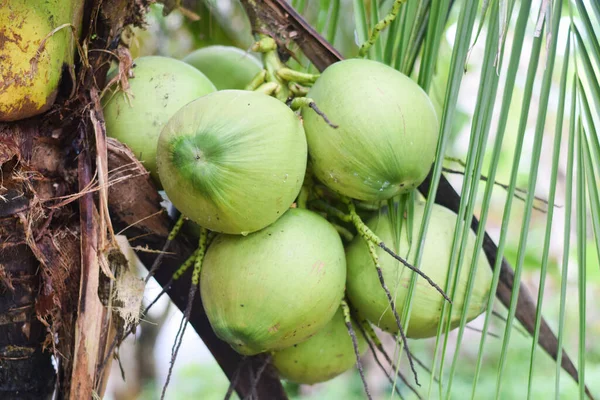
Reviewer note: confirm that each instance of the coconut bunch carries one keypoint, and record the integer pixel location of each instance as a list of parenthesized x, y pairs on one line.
[(270, 165)]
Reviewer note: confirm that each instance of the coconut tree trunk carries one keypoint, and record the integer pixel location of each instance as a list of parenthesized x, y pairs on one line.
[(26, 370)]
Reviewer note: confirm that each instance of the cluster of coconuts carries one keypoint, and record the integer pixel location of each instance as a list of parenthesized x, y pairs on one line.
[(234, 162)]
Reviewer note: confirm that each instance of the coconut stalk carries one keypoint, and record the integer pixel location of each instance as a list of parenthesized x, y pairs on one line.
[(281, 21)]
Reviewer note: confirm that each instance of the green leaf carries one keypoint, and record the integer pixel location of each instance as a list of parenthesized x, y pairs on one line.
[(333, 21), (550, 214), (513, 67), (435, 30), (566, 235), (360, 20), (581, 255), (531, 73), (479, 135)]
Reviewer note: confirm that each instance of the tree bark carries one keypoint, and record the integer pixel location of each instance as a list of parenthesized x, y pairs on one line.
[(26, 371), (39, 261)]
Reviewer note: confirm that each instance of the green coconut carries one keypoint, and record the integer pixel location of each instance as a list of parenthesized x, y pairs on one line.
[(324, 356), (227, 67), (365, 292), (233, 161), (159, 88), (387, 135), (276, 287)]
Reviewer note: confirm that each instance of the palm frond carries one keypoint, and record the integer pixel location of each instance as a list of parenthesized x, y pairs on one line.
[(479, 135), (360, 19), (509, 30), (567, 234), (581, 253), (550, 213)]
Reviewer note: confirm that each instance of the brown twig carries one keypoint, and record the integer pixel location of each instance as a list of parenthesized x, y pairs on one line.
[(179, 337), (88, 325)]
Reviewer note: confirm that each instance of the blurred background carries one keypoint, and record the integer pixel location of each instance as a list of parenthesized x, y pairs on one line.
[(145, 358)]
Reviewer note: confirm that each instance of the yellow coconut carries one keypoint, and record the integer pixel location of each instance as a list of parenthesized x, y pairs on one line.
[(31, 58)]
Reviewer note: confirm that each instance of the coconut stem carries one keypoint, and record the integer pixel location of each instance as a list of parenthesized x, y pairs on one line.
[(382, 368), (345, 233), (264, 45), (179, 273), (372, 238), (307, 189), (368, 206), (170, 238), (199, 256), (300, 102), (392, 303), (418, 271), (256, 379), (348, 321), (234, 379), (186, 265), (179, 337), (370, 342), (302, 78), (381, 25), (199, 253), (505, 187), (303, 197), (330, 210), (297, 89), (268, 47), (371, 336), (176, 228), (258, 80), (269, 88)]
